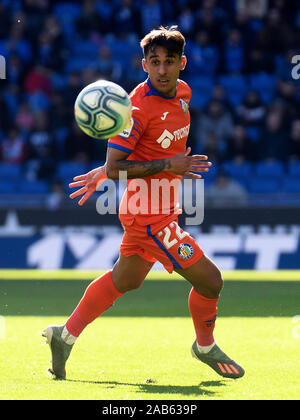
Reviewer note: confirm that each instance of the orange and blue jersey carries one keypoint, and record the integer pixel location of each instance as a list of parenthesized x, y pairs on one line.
[(159, 129)]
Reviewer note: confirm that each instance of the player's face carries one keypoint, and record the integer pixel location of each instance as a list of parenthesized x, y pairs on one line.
[(163, 69)]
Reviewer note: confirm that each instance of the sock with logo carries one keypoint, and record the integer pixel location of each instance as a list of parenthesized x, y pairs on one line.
[(98, 297), (204, 312)]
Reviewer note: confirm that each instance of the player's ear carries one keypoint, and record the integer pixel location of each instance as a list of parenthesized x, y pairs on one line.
[(183, 62), (144, 64)]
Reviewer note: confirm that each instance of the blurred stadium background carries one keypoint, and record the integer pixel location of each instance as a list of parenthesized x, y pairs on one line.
[(245, 116)]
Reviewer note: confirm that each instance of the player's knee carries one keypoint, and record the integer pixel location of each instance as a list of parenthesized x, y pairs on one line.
[(126, 285), (218, 282)]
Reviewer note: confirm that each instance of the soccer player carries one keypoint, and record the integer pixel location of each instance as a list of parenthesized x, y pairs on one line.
[(152, 149)]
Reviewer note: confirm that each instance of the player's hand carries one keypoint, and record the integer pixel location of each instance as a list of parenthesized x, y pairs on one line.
[(87, 183), (186, 165)]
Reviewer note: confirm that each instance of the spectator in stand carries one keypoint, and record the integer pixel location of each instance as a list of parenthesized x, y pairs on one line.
[(16, 73), (109, 67), (134, 73), (89, 20), (203, 56), (41, 149), (225, 192), (126, 17), (216, 121), (38, 80), (252, 111), (54, 30), (151, 15), (79, 142), (294, 141), (252, 9), (36, 13), (24, 117), (259, 60), (56, 196), (13, 148), (4, 114), (186, 22), (4, 21), (287, 94), (234, 52), (15, 43), (47, 55), (213, 149), (239, 147), (207, 21), (276, 36), (73, 87), (272, 144)]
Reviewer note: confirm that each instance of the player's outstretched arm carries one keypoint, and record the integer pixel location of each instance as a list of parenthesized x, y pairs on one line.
[(181, 164), (87, 183)]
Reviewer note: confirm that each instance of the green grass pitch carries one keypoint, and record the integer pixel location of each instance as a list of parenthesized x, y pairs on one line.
[(140, 348)]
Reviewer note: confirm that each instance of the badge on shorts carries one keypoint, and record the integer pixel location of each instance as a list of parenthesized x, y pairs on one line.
[(185, 251)]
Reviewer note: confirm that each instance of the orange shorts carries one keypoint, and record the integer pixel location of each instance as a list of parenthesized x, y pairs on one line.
[(171, 246)]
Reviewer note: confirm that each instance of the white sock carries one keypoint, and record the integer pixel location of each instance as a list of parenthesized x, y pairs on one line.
[(205, 349), (67, 337)]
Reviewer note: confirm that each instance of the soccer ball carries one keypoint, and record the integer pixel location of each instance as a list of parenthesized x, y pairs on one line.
[(103, 109)]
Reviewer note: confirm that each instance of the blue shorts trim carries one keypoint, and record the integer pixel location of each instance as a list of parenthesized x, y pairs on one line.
[(171, 258)]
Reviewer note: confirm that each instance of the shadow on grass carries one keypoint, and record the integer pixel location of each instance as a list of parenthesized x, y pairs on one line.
[(153, 388)]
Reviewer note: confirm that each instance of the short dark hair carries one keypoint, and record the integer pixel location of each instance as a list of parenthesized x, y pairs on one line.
[(169, 38)]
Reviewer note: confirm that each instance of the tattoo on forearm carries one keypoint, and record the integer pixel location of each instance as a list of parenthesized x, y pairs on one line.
[(143, 169)]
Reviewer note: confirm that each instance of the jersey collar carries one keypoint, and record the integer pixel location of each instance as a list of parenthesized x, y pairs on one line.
[(154, 92)]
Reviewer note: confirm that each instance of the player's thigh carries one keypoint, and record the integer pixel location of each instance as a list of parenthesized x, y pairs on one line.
[(205, 276), (129, 272)]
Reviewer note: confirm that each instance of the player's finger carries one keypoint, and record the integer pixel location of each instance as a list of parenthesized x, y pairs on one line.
[(79, 177), (198, 169), (85, 197), (199, 157), (187, 152), (77, 184), (200, 163), (192, 175), (78, 192)]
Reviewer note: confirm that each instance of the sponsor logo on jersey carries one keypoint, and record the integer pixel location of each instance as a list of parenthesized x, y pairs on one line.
[(167, 137)]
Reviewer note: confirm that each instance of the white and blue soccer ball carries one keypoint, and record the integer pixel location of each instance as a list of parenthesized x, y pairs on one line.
[(103, 109)]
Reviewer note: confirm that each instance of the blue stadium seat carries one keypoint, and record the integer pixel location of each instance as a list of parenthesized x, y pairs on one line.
[(264, 84), (294, 169), (77, 64), (67, 13), (85, 49), (9, 171), (239, 172), (202, 87), (33, 187), (96, 164), (264, 185), (235, 86), (8, 186), (253, 133), (269, 169), (67, 170), (291, 185)]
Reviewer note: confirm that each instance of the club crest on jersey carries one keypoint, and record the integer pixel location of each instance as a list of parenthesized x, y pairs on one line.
[(184, 105), (185, 251)]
